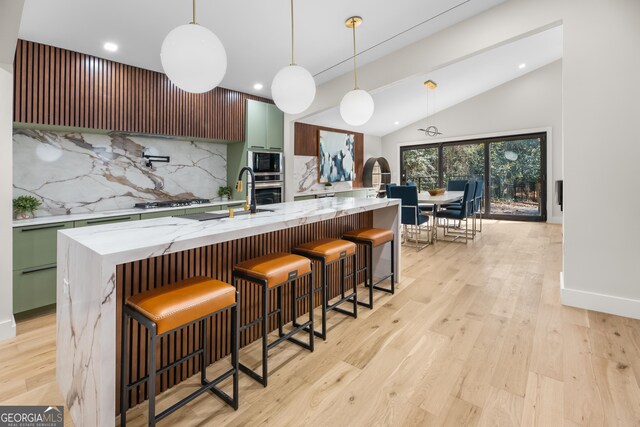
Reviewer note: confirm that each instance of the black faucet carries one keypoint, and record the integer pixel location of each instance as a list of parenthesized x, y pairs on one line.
[(252, 203)]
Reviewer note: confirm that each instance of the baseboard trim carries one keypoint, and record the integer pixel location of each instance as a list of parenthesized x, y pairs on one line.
[(554, 220), (599, 302), (7, 329)]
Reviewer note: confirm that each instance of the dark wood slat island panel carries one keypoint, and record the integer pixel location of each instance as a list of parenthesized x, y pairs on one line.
[(217, 261), (59, 87)]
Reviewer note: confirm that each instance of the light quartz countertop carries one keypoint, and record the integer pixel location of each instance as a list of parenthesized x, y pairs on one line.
[(107, 214), (133, 240), (330, 191)]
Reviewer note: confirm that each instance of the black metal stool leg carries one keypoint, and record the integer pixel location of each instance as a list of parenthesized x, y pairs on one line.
[(311, 328), (265, 320), (279, 315), (393, 264), (203, 357), (355, 284), (151, 382), (234, 350), (370, 270), (325, 296)]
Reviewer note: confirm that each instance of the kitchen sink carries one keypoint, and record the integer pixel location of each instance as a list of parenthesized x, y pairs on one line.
[(208, 216)]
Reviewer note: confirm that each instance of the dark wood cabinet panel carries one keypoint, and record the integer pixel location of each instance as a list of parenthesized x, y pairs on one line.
[(58, 87), (306, 144)]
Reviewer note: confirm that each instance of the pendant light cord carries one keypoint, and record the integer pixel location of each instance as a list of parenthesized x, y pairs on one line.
[(293, 62), (355, 68), (194, 12)]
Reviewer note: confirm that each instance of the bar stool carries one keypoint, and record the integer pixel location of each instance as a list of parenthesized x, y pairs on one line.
[(371, 238), (273, 271), (165, 310), (329, 252)]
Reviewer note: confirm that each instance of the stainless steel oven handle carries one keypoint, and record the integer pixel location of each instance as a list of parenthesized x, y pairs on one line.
[(270, 184), (269, 173)]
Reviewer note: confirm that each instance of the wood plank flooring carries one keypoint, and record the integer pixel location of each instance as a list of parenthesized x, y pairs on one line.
[(475, 336)]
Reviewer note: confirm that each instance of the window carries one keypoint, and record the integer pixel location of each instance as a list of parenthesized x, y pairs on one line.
[(512, 169)]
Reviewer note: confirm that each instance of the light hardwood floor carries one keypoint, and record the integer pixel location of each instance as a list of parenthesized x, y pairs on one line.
[(475, 335)]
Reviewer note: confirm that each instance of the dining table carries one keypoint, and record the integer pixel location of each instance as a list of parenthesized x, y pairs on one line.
[(424, 198)]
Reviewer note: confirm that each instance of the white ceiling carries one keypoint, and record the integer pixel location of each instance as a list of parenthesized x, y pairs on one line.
[(406, 101), (256, 33)]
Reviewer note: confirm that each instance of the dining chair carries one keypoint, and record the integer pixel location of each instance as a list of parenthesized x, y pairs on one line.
[(411, 216), (478, 189), (388, 186), (464, 214), (479, 203)]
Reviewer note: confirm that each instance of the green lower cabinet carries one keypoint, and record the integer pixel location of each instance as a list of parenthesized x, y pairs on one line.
[(109, 220), (300, 198), (344, 194), (34, 287), (162, 214), (359, 193), (36, 245)]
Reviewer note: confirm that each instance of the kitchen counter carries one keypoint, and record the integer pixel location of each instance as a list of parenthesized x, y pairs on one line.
[(107, 214), (93, 277)]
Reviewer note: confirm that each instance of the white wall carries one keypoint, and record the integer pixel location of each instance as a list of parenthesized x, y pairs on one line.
[(533, 101), (10, 13), (600, 112), (372, 147)]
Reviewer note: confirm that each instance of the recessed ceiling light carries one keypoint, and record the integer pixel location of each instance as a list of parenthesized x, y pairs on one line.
[(258, 86), (396, 123), (521, 66), (111, 47)]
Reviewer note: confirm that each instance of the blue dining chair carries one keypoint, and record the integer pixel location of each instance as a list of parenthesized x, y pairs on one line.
[(468, 202), (411, 216), (455, 185), (388, 186), (479, 203), (478, 191)]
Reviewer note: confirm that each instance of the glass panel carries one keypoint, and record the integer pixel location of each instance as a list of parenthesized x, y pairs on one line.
[(420, 165), (516, 181), (462, 162)]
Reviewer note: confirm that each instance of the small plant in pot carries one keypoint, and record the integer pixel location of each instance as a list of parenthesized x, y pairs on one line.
[(224, 193), (25, 206)]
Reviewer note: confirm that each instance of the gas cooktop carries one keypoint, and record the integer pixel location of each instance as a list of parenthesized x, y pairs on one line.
[(171, 203)]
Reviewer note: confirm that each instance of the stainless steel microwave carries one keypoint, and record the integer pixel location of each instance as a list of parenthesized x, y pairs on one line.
[(267, 166)]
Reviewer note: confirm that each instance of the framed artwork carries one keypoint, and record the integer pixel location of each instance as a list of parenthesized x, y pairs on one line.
[(336, 156)]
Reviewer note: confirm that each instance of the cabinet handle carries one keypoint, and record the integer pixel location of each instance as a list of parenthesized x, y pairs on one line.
[(36, 269), (45, 227), (101, 221)]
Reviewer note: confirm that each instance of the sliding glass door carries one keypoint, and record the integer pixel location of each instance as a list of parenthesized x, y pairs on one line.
[(512, 169)]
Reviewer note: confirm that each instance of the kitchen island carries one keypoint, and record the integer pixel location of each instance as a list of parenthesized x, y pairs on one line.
[(98, 267)]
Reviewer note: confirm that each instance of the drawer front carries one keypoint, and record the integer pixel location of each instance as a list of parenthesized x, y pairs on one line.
[(36, 246), (162, 214), (110, 220), (34, 288)]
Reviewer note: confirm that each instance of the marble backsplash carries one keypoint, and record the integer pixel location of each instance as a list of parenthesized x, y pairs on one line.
[(305, 175), (84, 172)]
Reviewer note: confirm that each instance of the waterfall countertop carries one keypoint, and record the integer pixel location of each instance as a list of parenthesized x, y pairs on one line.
[(128, 241)]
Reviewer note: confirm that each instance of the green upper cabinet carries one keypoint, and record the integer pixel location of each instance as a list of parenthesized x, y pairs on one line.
[(275, 128), (264, 126)]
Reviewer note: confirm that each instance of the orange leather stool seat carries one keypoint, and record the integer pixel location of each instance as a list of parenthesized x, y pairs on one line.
[(330, 249), (275, 268), (184, 302), (376, 236)]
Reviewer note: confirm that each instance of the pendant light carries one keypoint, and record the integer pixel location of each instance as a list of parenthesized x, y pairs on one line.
[(193, 57), (357, 106), (293, 88), (430, 130)]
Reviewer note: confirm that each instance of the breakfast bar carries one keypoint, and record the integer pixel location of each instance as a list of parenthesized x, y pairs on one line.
[(98, 267)]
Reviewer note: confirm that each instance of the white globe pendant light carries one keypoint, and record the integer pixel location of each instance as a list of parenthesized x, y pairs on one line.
[(193, 57), (356, 107), (293, 88)]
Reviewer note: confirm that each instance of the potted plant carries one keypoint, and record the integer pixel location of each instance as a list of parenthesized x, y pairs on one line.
[(328, 184), (224, 193), (25, 206)]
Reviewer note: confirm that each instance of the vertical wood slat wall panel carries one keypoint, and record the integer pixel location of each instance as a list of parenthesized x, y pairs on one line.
[(217, 261), (58, 87)]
